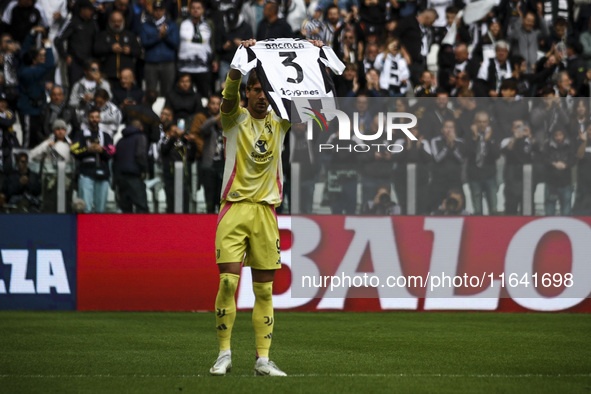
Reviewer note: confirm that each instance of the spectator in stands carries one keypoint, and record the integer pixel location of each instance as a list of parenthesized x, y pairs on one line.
[(585, 40), (332, 24), (448, 153), (575, 66), (372, 50), (441, 31), (21, 16), (82, 93), (372, 16), (436, 115), (252, 10), (510, 11), (211, 111), (419, 153), (145, 114), (37, 64), (313, 27), (211, 165), (54, 149), (344, 84), (58, 108), (74, 42), (485, 47), (381, 204), (130, 166), (559, 159), (196, 57), (525, 37), (350, 48), (24, 186), (8, 140), (582, 205), (394, 72), (493, 71), (550, 64), (131, 20), (303, 154), (482, 152), (508, 109), (176, 146), (110, 115), (235, 30), (342, 176), (580, 119), (464, 113), (372, 84), (462, 83), (518, 150), (558, 35), (160, 38), (93, 149), (452, 205), (126, 91), (375, 166), (564, 90), (183, 99), (117, 47), (449, 73), (415, 36), (428, 87), (272, 26), (9, 62), (547, 116), (525, 82)]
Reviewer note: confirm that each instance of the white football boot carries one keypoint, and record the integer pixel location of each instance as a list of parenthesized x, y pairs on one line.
[(223, 364), (267, 368)]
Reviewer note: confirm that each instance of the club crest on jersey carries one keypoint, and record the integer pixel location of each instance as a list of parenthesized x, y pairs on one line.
[(261, 146)]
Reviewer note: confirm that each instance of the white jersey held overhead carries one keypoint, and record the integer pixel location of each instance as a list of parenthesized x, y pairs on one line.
[(289, 68)]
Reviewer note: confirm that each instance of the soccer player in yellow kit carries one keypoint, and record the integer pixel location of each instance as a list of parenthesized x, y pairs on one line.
[(247, 223)]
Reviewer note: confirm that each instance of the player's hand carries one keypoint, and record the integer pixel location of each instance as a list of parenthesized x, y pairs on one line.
[(248, 43), (317, 43)]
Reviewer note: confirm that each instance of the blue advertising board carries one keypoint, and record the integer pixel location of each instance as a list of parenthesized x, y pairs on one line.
[(38, 262)]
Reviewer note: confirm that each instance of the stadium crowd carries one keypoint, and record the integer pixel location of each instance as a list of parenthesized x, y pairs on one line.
[(80, 78)]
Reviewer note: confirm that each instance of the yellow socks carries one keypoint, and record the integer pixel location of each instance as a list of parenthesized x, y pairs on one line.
[(225, 309), (262, 317)]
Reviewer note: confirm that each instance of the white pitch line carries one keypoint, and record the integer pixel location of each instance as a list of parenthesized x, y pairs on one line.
[(401, 375)]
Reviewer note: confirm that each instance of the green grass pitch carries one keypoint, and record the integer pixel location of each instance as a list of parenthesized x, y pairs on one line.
[(135, 352)]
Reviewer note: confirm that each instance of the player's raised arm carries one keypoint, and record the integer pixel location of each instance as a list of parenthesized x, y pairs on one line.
[(230, 93)]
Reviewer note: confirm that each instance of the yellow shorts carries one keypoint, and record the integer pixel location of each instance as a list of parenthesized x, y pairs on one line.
[(248, 231)]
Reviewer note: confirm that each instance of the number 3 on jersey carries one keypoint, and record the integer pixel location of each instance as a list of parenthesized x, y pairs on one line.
[(288, 62)]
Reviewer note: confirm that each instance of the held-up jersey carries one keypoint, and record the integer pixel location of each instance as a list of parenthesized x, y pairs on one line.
[(253, 170), (289, 68)]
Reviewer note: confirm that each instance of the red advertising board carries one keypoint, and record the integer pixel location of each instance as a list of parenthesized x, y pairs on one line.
[(167, 262)]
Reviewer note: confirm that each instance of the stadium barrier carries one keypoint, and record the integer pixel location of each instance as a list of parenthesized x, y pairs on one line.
[(166, 262)]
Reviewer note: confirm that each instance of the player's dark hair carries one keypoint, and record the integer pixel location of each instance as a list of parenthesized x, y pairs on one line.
[(253, 79)]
